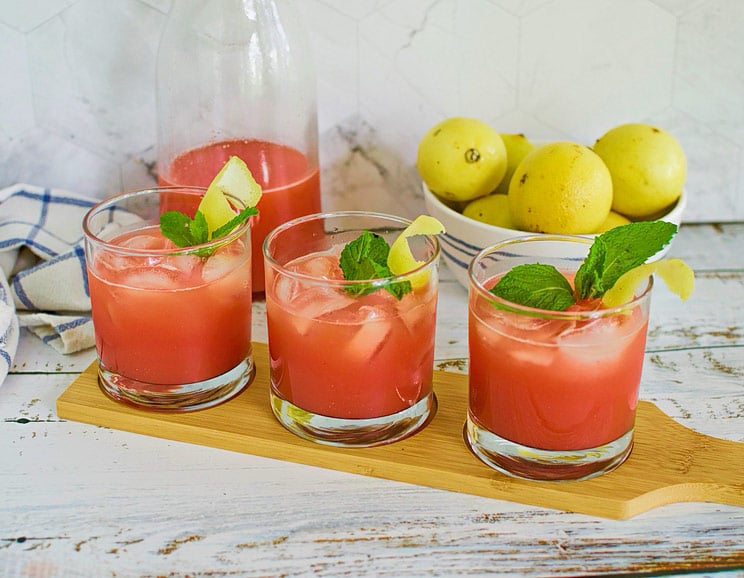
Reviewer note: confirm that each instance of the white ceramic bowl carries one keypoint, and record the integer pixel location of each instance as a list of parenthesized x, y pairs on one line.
[(465, 237)]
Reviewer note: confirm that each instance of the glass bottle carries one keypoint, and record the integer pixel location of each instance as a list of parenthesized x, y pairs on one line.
[(236, 77)]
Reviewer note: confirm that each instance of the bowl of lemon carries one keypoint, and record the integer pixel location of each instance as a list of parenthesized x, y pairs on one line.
[(486, 186)]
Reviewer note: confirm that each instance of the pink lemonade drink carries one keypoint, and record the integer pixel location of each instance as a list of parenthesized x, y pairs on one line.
[(172, 325), (552, 394), (347, 369), (290, 183)]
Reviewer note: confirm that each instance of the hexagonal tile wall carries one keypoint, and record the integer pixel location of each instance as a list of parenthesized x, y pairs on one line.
[(80, 110)]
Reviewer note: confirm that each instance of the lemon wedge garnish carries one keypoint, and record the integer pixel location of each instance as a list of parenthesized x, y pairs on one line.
[(216, 209), (401, 260), (675, 272), (234, 179)]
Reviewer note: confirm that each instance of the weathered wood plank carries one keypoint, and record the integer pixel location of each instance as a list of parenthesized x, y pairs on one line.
[(78, 500)]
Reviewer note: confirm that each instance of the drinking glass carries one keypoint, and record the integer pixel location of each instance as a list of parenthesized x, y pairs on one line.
[(172, 325), (552, 394), (351, 364)]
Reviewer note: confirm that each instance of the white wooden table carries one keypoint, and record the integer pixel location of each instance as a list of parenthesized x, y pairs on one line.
[(78, 500)]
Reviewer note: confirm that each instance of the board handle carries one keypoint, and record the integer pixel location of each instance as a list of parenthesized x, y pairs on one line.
[(696, 466)]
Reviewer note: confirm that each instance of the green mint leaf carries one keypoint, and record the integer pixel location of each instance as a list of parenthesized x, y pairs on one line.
[(367, 247), (366, 269), (366, 258), (535, 285), (234, 222), (176, 226), (619, 250), (187, 232), (199, 229), (588, 274), (399, 289)]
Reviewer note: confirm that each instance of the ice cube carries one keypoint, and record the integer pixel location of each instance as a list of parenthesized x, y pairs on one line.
[(234, 248), (310, 303), (181, 269), (318, 265), (285, 288), (527, 327), (375, 312), (104, 264), (414, 317), (150, 278), (313, 302), (542, 355), (108, 264), (596, 341), (371, 335), (589, 333), (218, 265), (325, 268), (499, 336), (145, 242)]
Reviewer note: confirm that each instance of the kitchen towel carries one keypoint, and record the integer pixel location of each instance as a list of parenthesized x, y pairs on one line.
[(43, 282)]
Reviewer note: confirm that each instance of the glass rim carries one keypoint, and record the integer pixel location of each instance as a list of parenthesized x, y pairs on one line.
[(109, 202), (376, 282), (510, 306)]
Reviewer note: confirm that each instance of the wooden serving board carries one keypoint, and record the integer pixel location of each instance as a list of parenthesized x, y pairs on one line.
[(669, 463)]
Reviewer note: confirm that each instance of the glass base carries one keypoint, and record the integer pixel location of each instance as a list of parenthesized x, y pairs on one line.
[(180, 397), (536, 464), (343, 432)]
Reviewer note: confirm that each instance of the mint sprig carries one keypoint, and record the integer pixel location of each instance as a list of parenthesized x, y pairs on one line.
[(365, 258), (611, 255), (187, 232), (618, 251)]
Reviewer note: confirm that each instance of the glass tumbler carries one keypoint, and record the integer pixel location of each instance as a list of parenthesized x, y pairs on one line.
[(552, 394), (351, 363), (172, 325)]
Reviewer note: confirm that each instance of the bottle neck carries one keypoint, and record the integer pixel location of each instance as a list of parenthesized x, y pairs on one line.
[(235, 69)]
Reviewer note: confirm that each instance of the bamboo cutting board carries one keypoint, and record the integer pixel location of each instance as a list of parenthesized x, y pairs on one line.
[(669, 463)]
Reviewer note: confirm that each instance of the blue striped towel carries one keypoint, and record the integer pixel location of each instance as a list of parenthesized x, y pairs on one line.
[(43, 260)]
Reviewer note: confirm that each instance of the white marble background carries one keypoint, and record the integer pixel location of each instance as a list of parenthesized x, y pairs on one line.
[(77, 103)]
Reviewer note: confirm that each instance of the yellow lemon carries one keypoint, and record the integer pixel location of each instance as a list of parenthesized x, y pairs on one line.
[(561, 187), (400, 258), (613, 220), (517, 147), (491, 209), (461, 159), (675, 272), (648, 168), (235, 179), (216, 209)]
